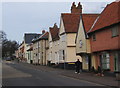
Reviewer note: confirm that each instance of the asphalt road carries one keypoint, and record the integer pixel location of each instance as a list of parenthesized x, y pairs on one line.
[(16, 74)]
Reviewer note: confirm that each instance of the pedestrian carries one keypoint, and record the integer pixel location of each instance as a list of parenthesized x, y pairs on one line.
[(78, 66), (100, 71)]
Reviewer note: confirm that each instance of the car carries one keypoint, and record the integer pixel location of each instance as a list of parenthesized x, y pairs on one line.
[(8, 59)]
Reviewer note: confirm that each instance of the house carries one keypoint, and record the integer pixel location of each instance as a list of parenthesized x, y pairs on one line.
[(83, 42), (105, 38), (21, 52), (43, 40), (53, 45), (30, 53), (69, 24), (40, 49), (25, 45)]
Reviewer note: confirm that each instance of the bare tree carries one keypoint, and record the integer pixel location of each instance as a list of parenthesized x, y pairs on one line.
[(7, 47)]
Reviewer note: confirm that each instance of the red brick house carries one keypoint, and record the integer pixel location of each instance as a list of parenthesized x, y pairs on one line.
[(105, 38)]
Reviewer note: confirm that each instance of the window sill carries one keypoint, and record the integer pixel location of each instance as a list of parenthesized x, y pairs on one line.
[(115, 36)]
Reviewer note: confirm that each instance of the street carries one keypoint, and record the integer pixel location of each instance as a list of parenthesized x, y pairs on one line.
[(16, 74)]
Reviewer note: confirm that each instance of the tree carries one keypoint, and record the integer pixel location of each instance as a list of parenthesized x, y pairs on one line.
[(8, 47)]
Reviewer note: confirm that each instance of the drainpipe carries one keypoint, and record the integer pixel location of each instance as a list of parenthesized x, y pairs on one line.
[(45, 52)]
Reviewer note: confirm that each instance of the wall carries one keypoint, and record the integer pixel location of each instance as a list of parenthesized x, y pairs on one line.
[(62, 28), (93, 61), (104, 41), (71, 39), (71, 55), (81, 36), (88, 46), (35, 51)]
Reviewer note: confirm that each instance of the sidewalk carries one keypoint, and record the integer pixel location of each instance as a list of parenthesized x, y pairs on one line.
[(90, 77), (106, 80)]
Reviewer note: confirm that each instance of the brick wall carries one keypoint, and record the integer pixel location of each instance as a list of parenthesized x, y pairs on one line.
[(104, 41)]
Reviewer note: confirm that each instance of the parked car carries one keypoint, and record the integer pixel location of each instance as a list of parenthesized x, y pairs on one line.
[(8, 58)]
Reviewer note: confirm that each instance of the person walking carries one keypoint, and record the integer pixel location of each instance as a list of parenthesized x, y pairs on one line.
[(78, 66), (100, 71)]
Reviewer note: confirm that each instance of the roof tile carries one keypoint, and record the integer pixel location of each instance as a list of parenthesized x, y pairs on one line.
[(110, 15), (71, 22), (54, 32), (88, 20)]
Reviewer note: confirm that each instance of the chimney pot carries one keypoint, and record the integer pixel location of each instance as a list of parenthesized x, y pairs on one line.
[(77, 9)]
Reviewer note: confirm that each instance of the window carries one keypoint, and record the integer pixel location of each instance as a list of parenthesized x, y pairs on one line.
[(105, 61), (81, 43), (114, 31), (94, 37)]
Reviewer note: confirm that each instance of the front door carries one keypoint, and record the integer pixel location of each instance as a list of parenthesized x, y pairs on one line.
[(89, 62)]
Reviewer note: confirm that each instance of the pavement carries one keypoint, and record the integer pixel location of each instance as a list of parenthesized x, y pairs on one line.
[(106, 80), (110, 81)]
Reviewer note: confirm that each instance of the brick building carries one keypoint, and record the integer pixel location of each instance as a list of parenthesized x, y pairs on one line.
[(105, 38)]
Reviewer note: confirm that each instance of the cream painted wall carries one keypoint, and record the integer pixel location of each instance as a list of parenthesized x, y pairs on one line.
[(53, 50), (50, 47), (88, 46), (61, 26), (40, 51), (65, 41), (27, 52), (93, 61), (84, 64), (71, 55), (71, 39), (81, 36), (44, 42), (35, 52)]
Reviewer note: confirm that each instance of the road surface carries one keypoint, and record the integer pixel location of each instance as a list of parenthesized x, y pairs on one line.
[(16, 74)]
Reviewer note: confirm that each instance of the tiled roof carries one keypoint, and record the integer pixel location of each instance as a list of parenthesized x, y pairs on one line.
[(44, 36), (88, 20), (71, 22), (110, 15), (54, 32), (30, 36)]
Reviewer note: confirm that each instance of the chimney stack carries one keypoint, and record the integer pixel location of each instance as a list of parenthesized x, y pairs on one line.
[(76, 9)]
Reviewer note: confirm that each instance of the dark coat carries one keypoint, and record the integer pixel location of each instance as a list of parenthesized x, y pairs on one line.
[(78, 64)]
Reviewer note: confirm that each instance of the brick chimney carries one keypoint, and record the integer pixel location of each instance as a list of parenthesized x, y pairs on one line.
[(76, 9), (43, 31)]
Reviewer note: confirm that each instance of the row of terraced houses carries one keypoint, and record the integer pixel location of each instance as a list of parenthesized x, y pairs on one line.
[(92, 38)]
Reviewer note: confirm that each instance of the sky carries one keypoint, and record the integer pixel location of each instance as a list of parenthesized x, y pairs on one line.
[(32, 17)]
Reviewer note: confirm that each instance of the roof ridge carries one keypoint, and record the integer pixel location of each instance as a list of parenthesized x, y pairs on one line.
[(94, 24), (107, 17), (43, 35)]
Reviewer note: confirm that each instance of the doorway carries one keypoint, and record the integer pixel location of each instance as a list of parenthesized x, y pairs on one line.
[(89, 62)]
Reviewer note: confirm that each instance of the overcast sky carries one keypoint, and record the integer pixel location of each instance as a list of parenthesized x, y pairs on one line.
[(31, 17)]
